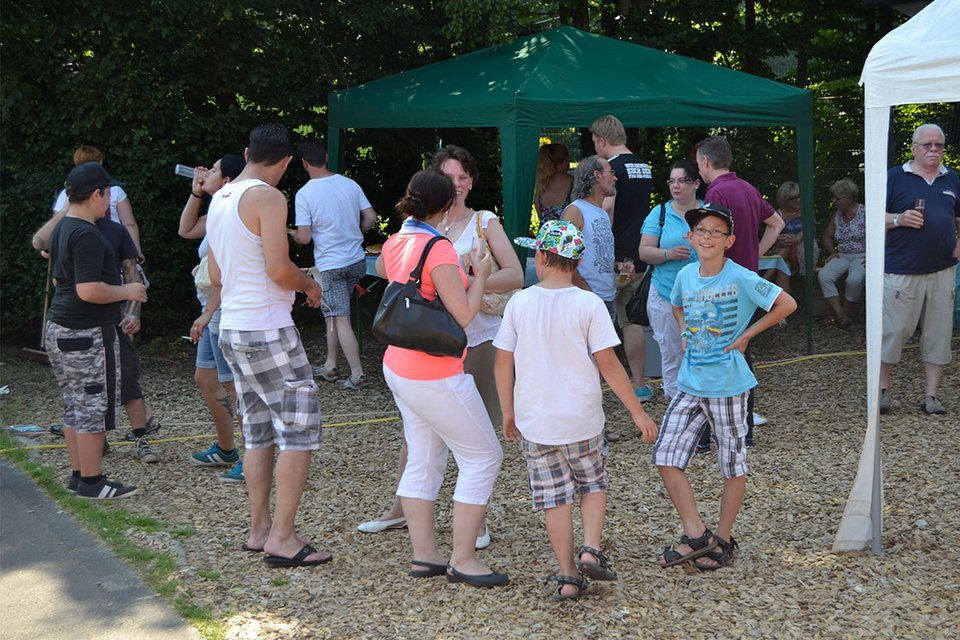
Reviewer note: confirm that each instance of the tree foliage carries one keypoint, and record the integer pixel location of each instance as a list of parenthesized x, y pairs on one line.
[(160, 82)]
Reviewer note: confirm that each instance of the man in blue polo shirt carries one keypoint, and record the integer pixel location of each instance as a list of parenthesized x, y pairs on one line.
[(923, 222)]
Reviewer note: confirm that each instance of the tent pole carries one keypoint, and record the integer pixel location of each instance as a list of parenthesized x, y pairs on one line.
[(805, 176)]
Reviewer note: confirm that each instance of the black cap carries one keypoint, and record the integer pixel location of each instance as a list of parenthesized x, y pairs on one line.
[(694, 216), (86, 178)]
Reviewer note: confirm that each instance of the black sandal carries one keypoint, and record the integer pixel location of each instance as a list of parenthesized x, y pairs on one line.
[(723, 557), (702, 545), (579, 582), (599, 570)]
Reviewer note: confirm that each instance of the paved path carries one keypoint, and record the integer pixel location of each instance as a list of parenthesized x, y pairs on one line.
[(57, 581)]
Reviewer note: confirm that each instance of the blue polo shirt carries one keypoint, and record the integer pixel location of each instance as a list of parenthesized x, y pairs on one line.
[(930, 248)]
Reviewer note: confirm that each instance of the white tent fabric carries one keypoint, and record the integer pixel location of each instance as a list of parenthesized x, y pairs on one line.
[(918, 62)]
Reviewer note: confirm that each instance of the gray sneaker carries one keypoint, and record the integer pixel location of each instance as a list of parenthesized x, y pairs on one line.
[(145, 451), (349, 384), (886, 401), (932, 404)]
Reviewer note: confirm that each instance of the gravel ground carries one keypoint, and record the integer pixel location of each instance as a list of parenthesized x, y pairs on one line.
[(785, 582)]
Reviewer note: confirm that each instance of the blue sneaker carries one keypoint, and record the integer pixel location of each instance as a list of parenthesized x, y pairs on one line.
[(216, 457), (644, 393), (234, 475)]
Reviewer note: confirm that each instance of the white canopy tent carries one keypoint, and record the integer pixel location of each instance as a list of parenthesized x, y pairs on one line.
[(918, 62)]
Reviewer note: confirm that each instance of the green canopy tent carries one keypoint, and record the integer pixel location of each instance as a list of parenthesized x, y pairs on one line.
[(565, 77)]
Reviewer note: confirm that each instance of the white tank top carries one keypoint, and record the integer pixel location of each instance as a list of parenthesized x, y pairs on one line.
[(484, 326), (251, 301)]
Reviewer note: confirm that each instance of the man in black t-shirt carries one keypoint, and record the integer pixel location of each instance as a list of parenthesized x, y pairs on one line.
[(628, 208), (80, 335)]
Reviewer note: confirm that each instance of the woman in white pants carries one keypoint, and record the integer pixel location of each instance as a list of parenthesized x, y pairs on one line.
[(844, 241), (441, 408), (668, 250)]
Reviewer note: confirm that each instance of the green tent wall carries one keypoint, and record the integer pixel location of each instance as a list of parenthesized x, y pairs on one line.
[(565, 77)]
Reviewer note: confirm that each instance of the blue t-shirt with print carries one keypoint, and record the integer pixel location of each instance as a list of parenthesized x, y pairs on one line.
[(716, 310), (675, 229)]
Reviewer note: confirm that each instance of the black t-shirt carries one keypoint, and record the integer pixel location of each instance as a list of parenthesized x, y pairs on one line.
[(634, 184), (79, 253)]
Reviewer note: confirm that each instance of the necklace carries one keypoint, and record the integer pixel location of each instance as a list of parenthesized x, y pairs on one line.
[(447, 226)]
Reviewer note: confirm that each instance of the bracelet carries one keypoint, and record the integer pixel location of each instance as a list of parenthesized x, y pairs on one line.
[(665, 258), (896, 219), (198, 197)]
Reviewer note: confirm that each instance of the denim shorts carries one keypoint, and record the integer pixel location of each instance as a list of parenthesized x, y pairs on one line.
[(210, 355)]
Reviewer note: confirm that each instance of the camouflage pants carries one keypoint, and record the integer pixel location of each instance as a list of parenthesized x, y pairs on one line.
[(85, 363)]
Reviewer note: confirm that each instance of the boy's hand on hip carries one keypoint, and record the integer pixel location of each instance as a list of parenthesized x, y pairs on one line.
[(740, 344)]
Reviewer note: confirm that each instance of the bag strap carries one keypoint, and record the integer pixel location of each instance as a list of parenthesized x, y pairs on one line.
[(418, 270), (663, 218)]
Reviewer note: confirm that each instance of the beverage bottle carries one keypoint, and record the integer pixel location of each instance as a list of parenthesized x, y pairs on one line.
[(185, 171)]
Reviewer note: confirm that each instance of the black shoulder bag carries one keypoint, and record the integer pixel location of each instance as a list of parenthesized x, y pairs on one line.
[(637, 304), (405, 319)]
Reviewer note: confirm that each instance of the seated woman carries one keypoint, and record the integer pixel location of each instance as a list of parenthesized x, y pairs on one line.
[(789, 245), (553, 182), (844, 240)]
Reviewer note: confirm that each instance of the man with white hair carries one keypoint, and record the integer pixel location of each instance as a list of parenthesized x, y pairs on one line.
[(922, 249)]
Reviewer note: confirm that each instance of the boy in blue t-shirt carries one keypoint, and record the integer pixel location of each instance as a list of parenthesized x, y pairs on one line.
[(713, 301)]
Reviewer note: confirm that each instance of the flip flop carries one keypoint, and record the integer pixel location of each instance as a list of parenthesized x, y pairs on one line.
[(279, 562)]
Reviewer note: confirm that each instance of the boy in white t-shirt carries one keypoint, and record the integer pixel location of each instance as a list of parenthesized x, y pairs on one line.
[(713, 301), (554, 343)]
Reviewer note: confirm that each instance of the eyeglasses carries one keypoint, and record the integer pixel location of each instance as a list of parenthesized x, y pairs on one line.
[(930, 145), (610, 171), (701, 232), (673, 181)]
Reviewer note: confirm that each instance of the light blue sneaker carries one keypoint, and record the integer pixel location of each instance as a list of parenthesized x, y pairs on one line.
[(644, 393), (216, 457), (234, 475)]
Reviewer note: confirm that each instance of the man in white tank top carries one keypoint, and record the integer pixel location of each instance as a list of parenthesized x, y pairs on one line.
[(249, 258)]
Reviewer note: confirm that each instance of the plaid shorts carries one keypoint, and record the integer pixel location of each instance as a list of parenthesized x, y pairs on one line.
[(84, 362), (275, 388), (337, 286), (559, 472), (685, 419)]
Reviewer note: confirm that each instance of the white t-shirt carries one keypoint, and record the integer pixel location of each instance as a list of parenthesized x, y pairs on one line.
[(553, 334), (117, 195), (331, 207)]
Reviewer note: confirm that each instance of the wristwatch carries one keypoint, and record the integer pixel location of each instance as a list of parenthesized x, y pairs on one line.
[(896, 219)]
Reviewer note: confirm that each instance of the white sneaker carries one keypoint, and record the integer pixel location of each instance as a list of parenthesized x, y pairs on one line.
[(376, 526), (483, 540), (759, 420)]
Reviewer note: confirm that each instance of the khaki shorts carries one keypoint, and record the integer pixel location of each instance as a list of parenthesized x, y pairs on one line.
[(624, 294), (905, 298)]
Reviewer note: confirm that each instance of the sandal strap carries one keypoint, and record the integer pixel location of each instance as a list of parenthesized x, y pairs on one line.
[(601, 558), (699, 543)]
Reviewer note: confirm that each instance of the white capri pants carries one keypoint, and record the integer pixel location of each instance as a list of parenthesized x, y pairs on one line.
[(666, 332), (852, 264), (440, 416)]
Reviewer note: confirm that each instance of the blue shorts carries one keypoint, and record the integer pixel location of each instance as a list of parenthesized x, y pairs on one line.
[(210, 356)]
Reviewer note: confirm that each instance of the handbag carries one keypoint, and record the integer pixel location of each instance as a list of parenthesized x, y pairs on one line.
[(637, 304), (406, 319), (492, 303), (201, 276)]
